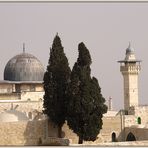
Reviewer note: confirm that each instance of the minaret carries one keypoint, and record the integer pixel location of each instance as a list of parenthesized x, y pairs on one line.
[(23, 47), (110, 104), (130, 68)]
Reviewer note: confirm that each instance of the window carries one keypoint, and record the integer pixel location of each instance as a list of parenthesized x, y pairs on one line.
[(17, 87), (139, 120)]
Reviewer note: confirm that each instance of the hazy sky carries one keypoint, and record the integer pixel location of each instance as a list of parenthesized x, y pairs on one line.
[(105, 28)]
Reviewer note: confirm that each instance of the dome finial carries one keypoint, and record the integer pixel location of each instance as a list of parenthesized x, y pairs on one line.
[(23, 47)]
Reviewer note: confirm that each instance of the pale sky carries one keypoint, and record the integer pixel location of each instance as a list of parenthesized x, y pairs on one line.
[(105, 28)]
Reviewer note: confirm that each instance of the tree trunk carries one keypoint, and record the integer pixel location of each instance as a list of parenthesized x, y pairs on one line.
[(59, 131), (80, 140)]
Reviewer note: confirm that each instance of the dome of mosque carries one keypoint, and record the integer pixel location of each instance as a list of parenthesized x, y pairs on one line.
[(24, 67), (12, 116), (129, 50), (130, 55)]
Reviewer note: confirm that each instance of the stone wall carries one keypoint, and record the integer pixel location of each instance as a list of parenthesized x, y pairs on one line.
[(33, 96), (36, 132), (6, 88), (54, 141), (24, 106), (130, 120), (31, 87), (68, 133), (24, 96), (140, 132), (39, 87), (140, 111), (21, 133), (30, 91), (142, 143), (25, 87), (10, 96), (110, 125)]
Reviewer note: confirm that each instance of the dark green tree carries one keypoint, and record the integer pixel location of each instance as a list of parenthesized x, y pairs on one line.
[(56, 79), (85, 106)]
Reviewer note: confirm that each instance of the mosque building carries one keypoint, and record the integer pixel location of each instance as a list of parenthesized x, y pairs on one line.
[(21, 105), (22, 84)]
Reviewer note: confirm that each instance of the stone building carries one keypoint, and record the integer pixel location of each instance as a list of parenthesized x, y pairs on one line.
[(130, 123), (21, 105), (22, 85), (17, 129)]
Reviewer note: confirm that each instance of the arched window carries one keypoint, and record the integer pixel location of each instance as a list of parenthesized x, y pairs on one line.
[(130, 137), (114, 137), (139, 120)]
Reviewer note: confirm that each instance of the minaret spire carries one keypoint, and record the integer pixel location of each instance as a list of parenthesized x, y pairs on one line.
[(23, 47)]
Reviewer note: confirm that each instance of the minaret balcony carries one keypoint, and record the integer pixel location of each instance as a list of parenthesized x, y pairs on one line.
[(135, 68)]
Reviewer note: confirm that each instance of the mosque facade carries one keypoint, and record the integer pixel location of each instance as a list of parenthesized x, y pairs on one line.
[(21, 105), (22, 85)]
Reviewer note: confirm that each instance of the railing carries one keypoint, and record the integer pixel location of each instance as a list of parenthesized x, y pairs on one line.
[(130, 68)]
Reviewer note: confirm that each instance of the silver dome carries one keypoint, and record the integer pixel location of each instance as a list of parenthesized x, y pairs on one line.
[(24, 67), (129, 50)]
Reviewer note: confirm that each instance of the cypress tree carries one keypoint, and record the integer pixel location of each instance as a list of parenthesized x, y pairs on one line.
[(55, 83), (85, 106)]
